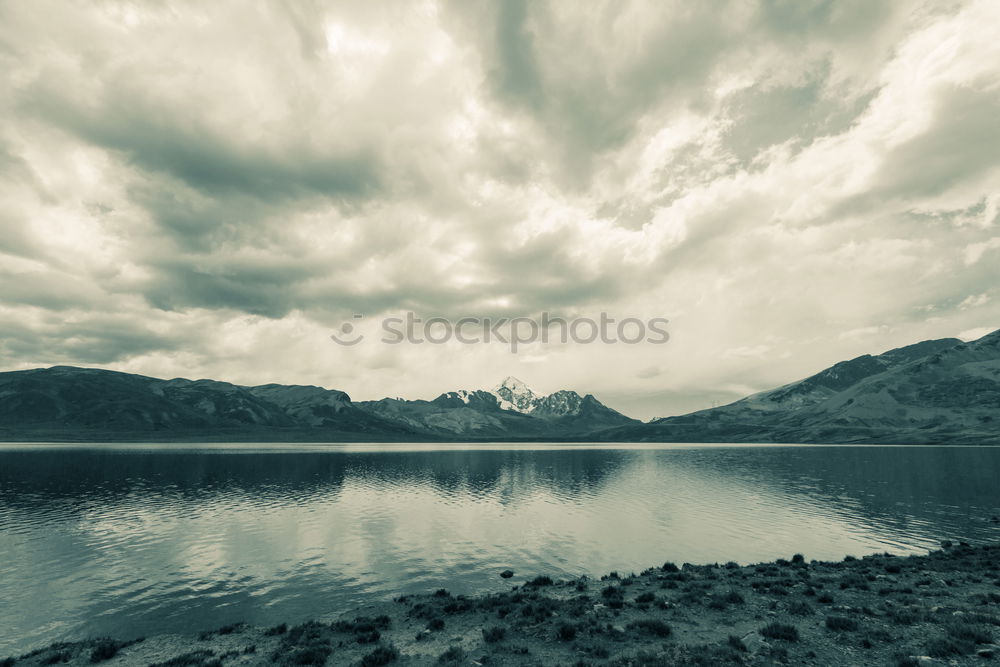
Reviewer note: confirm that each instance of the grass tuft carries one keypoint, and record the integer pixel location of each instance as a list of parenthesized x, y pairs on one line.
[(651, 626), (494, 634), (841, 623), (788, 633), (382, 655)]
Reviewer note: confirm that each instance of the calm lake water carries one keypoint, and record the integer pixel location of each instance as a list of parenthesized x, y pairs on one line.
[(137, 540)]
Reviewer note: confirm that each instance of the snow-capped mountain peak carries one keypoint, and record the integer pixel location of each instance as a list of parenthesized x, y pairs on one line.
[(512, 394)]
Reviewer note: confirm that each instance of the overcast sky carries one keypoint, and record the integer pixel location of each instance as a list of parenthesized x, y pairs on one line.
[(209, 189)]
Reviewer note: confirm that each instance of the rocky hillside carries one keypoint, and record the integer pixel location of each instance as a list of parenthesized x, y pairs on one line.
[(64, 402), (938, 391)]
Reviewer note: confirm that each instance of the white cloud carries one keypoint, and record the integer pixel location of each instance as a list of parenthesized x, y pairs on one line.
[(973, 334)]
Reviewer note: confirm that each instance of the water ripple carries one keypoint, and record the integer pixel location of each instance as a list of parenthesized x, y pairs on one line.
[(118, 542)]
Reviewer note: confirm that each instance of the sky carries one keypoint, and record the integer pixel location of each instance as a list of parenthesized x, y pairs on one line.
[(197, 189)]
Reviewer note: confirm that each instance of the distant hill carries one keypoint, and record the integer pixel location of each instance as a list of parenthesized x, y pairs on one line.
[(937, 391), (67, 403)]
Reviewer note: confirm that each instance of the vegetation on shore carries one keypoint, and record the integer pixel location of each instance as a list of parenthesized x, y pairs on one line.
[(942, 608)]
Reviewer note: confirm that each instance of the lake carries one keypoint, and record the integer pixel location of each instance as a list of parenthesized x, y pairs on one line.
[(133, 540)]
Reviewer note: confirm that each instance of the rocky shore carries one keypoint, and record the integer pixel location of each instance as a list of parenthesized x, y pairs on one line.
[(938, 609)]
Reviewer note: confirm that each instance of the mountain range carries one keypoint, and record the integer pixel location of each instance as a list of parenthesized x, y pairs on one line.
[(510, 410), (68, 403), (937, 391)]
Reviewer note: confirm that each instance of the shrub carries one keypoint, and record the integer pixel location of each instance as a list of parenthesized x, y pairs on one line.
[(362, 625), (645, 598), (720, 600), (105, 649), (737, 643), (192, 659), (670, 567), (970, 632), (825, 598), (435, 624), (494, 634), (611, 591), (314, 654), (841, 623), (788, 633), (944, 647), (983, 619), (613, 596), (454, 654), (382, 655), (800, 609), (304, 633), (651, 626), (541, 580), (905, 616), (566, 632), (277, 630)]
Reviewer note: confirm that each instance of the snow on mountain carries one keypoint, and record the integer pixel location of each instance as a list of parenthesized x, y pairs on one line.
[(512, 394)]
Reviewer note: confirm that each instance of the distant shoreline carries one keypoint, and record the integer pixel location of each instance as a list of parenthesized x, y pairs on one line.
[(471, 445), (306, 437), (939, 608)]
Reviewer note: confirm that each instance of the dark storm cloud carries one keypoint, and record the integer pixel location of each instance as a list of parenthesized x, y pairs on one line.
[(588, 78), (517, 77), (806, 19), (49, 289), (955, 149), (266, 287), (584, 94), (214, 162), (94, 339), (764, 116)]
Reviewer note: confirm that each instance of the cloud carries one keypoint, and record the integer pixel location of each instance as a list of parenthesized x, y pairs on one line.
[(974, 334), (210, 189)]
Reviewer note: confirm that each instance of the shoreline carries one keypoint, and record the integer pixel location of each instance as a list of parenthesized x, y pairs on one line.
[(940, 608)]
